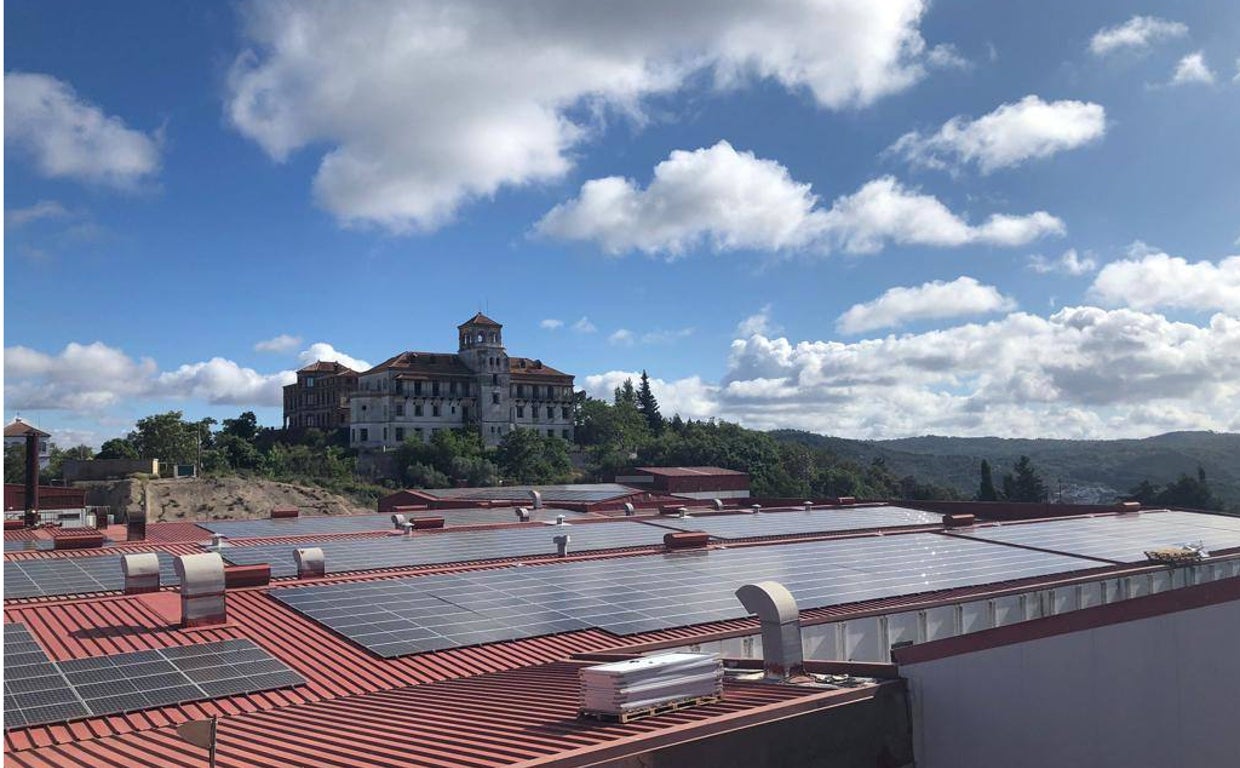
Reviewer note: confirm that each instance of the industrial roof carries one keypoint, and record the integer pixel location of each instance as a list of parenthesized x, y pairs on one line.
[(496, 703), (688, 471)]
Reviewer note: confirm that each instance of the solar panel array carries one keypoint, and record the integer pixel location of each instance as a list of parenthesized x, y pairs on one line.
[(1118, 538), (73, 575), (313, 526), (585, 492), (343, 555), (38, 691), (641, 594), (791, 522)]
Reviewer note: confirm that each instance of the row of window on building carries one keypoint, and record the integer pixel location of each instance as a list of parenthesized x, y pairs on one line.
[(465, 389), (362, 434)]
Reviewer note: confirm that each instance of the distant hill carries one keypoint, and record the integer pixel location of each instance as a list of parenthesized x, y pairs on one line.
[(1089, 470)]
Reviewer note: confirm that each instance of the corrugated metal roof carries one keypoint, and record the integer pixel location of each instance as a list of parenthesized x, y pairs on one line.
[(689, 471), (495, 719)]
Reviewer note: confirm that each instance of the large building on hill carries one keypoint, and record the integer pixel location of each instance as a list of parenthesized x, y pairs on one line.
[(415, 394), (320, 398)]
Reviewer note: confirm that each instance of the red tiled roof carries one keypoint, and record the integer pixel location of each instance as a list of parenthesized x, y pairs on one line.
[(480, 319), (428, 363), (322, 366), (19, 428), (521, 367)]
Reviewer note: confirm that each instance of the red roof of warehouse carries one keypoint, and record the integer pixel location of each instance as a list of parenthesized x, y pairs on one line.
[(688, 471)]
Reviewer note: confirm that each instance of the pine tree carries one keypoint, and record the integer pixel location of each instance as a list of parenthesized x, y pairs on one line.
[(986, 491), (648, 405), (1025, 484)]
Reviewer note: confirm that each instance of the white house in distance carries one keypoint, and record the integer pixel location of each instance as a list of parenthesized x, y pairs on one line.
[(415, 394), (15, 434)]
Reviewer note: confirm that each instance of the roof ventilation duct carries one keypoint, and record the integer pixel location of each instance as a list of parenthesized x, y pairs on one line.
[(808, 505), (756, 508), (717, 504), (561, 544), (141, 572), (536, 498), (310, 561), (629, 509), (523, 515), (135, 522), (202, 589), (398, 522), (776, 608)]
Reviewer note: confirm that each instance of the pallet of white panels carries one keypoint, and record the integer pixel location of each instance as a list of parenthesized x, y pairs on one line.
[(624, 687)]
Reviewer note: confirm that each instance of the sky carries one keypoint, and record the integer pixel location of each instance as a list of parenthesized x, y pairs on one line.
[(872, 220)]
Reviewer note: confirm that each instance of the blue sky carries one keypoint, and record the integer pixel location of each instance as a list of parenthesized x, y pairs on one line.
[(872, 220)]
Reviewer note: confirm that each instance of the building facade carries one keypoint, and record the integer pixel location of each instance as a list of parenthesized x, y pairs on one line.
[(415, 394), (320, 398)]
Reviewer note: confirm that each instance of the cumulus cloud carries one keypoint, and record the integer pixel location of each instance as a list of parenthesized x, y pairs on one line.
[(68, 137), (1083, 372), (898, 306), (1150, 279), (584, 325), (508, 82), (758, 323), (1192, 69), (281, 343), (93, 377), (885, 211), (1069, 263), (621, 338), (730, 200), (1013, 133), (551, 324), (322, 351), (1136, 34), (44, 209)]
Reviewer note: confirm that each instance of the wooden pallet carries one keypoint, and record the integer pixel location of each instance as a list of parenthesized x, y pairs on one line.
[(658, 709)]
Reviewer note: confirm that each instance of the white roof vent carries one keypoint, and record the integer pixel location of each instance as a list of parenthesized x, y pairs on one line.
[(756, 508), (141, 572), (310, 562), (398, 521), (202, 589), (717, 503), (536, 498), (781, 627), (561, 544), (629, 509), (523, 514)]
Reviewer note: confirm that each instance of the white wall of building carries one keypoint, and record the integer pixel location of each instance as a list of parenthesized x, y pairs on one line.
[(1160, 691)]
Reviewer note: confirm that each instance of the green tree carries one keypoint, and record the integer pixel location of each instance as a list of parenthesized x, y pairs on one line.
[(167, 437), (1024, 484), (986, 491), (648, 406), (244, 426), (1187, 491), (15, 463), (527, 456), (117, 448)]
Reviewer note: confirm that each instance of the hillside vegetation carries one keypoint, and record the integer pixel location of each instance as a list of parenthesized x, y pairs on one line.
[(1089, 470)]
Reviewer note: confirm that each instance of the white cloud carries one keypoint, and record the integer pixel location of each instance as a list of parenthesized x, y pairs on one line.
[(1192, 69), (322, 351), (946, 56), (1010, 135), (934, 300), (733, 200), (1151, 279), (91, 377), (44, 209), (666, 337), (885, 211), (1083, 372), (551, 324), (71, 138), (1137, 34), (281, 343), (690, 397), (584, 325), (1069, 263), (622, 338), (222, 382), (507, 80), (759, 323)]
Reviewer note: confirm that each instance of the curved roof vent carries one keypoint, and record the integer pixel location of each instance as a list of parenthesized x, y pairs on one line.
[(717, 504), (398, 521), (523, 514), (776, 608), (310, 562), (561, 544), (629, 509), (202, 589), (141, 572), (536, 497)]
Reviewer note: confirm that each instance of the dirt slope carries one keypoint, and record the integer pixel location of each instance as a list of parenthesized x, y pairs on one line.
[(226, 498)]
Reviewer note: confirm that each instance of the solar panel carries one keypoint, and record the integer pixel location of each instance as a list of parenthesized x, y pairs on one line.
[(791, 522), (1118, 538), (73, 575), (451, 547), (38, 691), (641, 594), (312, 526)]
